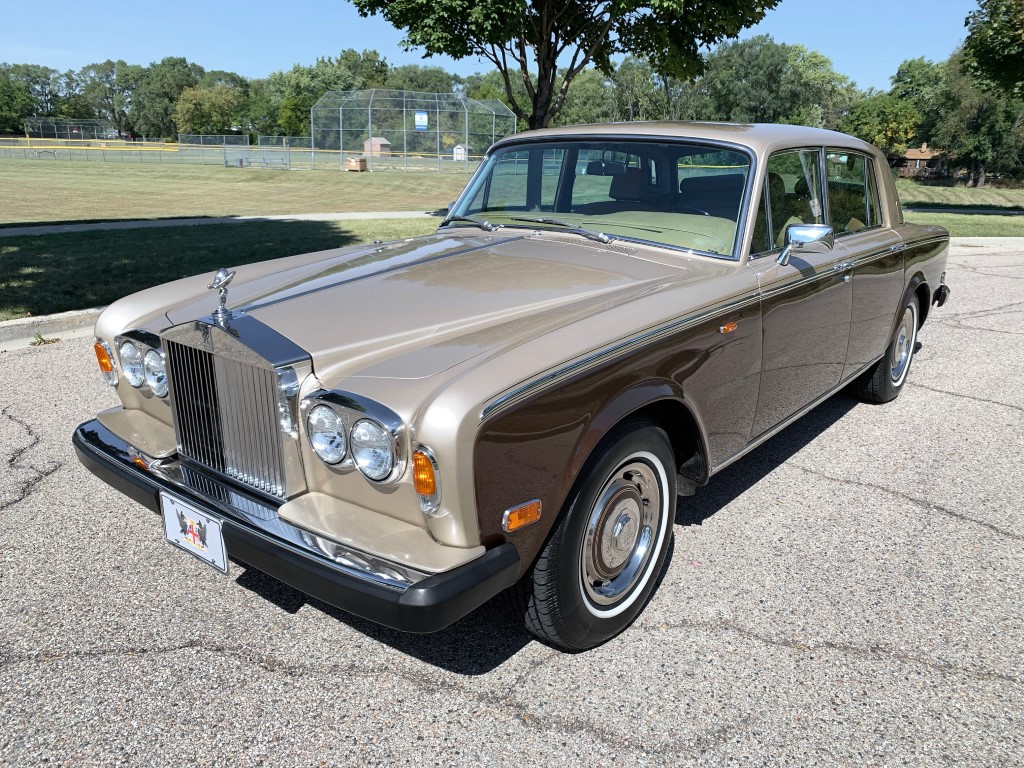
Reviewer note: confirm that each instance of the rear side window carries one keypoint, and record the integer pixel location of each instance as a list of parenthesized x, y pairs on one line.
[(852, 197)]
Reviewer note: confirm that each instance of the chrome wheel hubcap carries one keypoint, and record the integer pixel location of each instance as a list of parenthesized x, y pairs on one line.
[(620, 530), (903, 348)]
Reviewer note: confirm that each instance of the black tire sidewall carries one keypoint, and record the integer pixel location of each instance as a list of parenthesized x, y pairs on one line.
[(584, 627)]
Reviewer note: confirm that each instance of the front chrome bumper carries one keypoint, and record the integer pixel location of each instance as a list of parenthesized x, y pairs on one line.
[(381, 591)]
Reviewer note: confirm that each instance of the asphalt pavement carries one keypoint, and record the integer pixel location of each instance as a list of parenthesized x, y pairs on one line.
[(848, 594)]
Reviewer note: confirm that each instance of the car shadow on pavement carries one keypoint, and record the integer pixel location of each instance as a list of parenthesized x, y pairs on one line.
[(474, 645), (734, 481), (492, 634)]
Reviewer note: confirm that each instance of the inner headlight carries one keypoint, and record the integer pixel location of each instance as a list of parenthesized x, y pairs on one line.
[(156, 373), (326, 433), (131, 364), (373, 449)]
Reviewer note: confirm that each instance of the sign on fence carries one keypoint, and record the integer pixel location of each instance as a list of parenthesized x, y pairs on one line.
[(422, 121)]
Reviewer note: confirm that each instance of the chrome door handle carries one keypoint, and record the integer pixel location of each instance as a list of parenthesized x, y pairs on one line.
[(846, 278)]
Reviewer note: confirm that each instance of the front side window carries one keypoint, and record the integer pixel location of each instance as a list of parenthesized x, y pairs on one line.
[(678, 194), (852, 200), (791, 194)]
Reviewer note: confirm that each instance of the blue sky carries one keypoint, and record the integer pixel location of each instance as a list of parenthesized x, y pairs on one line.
[(865, 40)]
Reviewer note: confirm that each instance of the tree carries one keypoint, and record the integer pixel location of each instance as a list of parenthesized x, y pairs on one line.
[(978, 127), (885, 121), (161, 83), (591, 100), (513, 36), (920, 83), (994, 49), (636, 95), (109, 87), (208, 110), (413, 77), (16, 104)]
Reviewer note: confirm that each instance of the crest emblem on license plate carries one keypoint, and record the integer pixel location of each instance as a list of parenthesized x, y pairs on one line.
[(193, 532)]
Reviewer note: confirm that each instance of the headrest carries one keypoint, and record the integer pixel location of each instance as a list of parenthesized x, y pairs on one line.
[(602, 168), (628, 186), (728, 182)]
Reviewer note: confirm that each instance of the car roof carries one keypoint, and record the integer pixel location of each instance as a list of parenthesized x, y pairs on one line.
[(760, 137)]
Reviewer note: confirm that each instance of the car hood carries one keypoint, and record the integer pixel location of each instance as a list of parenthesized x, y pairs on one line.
[(415, 308)]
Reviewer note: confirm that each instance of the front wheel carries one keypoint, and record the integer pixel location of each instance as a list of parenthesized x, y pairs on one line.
[(885, 380), (603, 560)]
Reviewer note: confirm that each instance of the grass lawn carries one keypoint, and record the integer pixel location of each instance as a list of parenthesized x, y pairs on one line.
[(926, 196), (61, 190), (971, 224), (55, 273)]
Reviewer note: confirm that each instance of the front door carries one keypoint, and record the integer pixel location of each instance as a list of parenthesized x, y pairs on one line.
[(805, 305)]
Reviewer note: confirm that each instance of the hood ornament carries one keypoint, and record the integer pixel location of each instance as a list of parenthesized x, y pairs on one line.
[(220, 283)]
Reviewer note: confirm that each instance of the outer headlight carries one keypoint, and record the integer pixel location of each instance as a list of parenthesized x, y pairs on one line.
[(131, 364), (156, 373), (373, 449), (326, 433)]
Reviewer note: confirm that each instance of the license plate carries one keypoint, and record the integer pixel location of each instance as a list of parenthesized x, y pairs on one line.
[(193, 530)]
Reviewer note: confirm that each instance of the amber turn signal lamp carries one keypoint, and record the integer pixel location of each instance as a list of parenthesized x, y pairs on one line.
[(517, 517), (423, 477), (103, 357), (727, 328)]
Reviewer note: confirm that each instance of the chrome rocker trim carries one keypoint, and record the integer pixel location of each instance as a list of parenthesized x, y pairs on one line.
[(256, 536)]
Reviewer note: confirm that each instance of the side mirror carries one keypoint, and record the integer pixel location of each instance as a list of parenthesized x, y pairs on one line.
[(798, 236)]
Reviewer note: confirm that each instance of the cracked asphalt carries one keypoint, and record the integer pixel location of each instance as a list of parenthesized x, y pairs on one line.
[(848, 594)]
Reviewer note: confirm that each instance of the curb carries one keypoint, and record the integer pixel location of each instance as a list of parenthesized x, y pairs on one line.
[(24, 329)]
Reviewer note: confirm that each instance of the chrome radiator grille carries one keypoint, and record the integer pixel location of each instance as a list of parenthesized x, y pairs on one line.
[(226, 416)]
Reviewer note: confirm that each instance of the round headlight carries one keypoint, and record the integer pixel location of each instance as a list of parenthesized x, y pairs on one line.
[(326, 433), (156, 373), (373, 449), (131, 364)]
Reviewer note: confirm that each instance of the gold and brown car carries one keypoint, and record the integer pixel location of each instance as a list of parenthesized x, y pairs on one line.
[(607, 317)]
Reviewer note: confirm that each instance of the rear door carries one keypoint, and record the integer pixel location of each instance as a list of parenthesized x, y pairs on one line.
[(872, 254)]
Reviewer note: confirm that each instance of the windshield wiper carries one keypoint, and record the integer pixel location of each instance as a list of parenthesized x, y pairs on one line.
[(601, 237), (485, 225)]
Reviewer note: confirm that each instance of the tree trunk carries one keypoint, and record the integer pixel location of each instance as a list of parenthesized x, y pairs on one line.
[(981, 175)]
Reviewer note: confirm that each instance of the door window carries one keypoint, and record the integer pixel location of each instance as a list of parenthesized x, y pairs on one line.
[(851, 203), (791, 194)]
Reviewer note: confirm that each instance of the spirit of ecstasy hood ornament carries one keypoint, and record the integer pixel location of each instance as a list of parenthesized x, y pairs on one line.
[(220, 283)]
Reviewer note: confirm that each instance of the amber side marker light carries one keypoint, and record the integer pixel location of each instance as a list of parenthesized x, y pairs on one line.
[(727, 328), (103, 358), (518, 517), (106, 363), (423, 478)]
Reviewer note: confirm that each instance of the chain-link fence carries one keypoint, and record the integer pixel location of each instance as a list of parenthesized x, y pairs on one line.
[(71, 130), (380, 129)]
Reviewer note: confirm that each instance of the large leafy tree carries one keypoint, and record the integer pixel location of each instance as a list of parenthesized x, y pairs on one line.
[(15, 103), (213, 110), (885, 121), (109, 87), (546, 44), (994, 49), (921, 83), (978, 127), (152, 109)]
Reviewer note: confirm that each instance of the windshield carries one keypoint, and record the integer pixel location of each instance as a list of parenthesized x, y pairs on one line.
[(674, 193)]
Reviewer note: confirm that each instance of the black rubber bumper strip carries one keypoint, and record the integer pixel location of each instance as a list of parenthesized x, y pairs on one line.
[(426, 606)]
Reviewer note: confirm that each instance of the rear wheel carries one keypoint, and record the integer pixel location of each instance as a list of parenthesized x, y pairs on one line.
[(602, 562), (885, 380)]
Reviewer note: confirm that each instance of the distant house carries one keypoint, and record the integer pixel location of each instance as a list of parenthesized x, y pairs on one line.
[(377, 146), (461, 152), (922, 162)]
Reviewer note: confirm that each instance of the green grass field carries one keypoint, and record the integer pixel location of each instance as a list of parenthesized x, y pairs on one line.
[(971, 224), (927, 196), (43, 274), (64, 191)]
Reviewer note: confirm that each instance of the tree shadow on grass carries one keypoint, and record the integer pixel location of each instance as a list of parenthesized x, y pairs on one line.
[(43, 274)]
